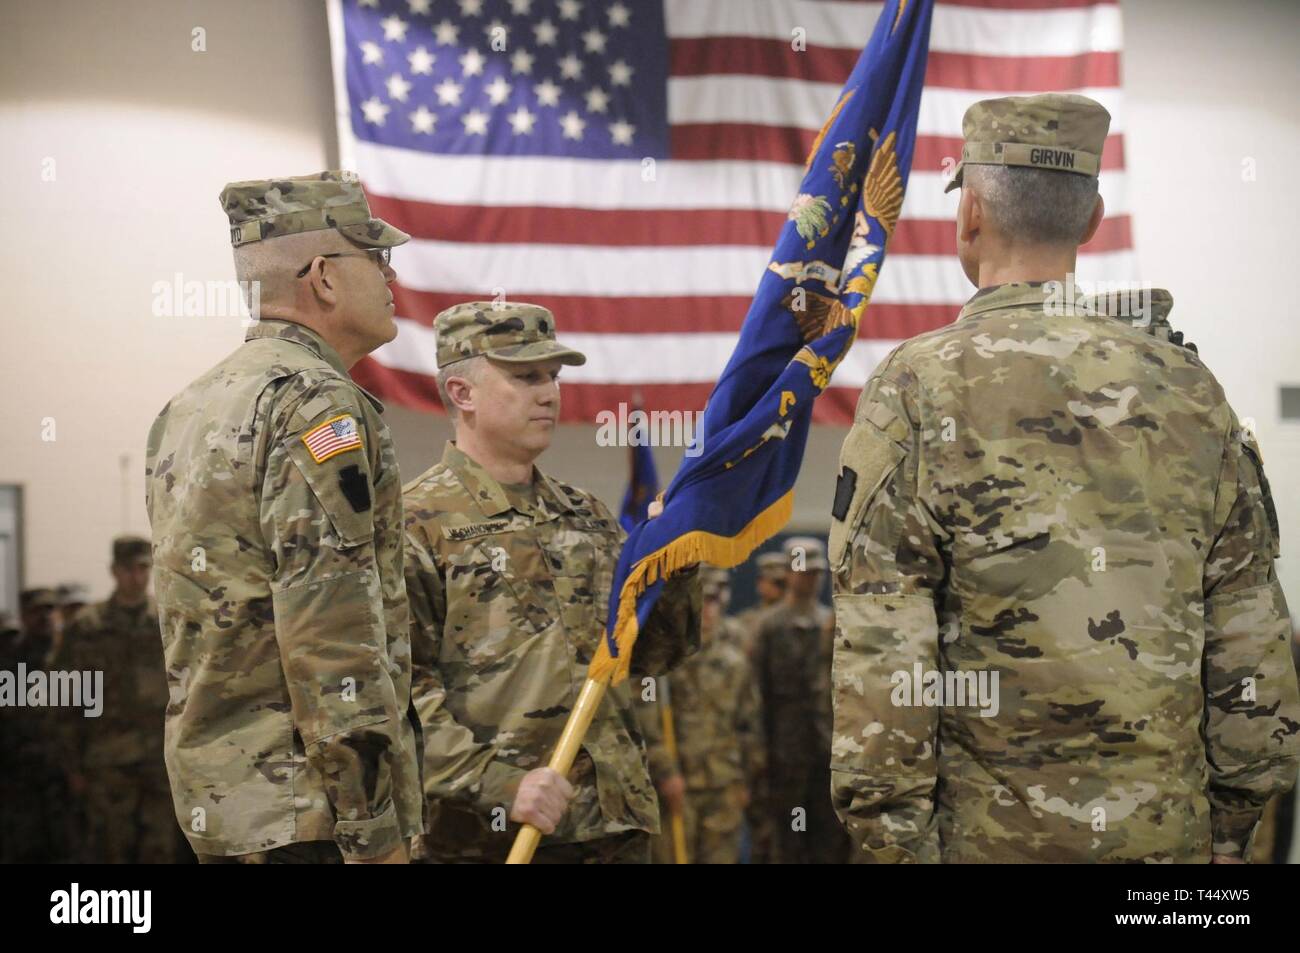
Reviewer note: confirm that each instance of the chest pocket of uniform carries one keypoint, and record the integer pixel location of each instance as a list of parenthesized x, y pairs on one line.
[(867, 460), (490, 610), (574, 553)]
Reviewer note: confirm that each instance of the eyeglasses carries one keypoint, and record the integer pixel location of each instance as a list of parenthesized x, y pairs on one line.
[(380, 256)]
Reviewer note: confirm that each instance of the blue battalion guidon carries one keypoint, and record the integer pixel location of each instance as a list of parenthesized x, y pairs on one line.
[(642, 487), (738, 491)]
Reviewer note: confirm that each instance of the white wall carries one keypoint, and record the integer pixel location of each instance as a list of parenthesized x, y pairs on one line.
[(143, 133)]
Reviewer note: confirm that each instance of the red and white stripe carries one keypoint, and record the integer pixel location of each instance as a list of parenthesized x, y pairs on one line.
[(651, 277)]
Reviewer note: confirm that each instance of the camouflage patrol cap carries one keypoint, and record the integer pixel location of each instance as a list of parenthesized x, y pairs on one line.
[(771, 564), (39, 597), (128, 549), (1063, 132), (811, 548), (714, 582), (270, 208), (515, 332), (71, 594)]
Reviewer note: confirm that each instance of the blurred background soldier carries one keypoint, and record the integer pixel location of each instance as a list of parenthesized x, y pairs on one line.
[(1058, 512), (792, 664), (72, 597), (770, 586), (115, 761), (715, 716), (34, 817)]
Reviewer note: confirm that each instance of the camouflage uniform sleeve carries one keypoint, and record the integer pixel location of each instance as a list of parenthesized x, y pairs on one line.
[(886, 564), (456, 765), (672, 632), (318, 521), (1252, 713)]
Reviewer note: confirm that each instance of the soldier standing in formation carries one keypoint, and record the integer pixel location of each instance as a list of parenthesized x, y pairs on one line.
[(115, 761), (716, 722), (770, 587), (1065, 502), (275, 500), (35, 821), (792, 664), (509, 575)]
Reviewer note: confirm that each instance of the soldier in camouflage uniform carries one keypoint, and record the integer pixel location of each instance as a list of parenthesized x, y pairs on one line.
[(770, 586), (719, 744), (275, 500), (509, 572), (34, 821), (792, 664), (1065, 501), (116, 760)]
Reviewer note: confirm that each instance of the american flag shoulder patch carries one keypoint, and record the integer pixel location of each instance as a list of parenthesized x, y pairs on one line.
[(336, 435)]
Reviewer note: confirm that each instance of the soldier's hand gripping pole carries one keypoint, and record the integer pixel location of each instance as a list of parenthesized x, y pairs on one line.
[(575, 729)]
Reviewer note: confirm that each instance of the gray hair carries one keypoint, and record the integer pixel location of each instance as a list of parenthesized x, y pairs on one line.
[(1034, 205), (273, 262), (468, 369)]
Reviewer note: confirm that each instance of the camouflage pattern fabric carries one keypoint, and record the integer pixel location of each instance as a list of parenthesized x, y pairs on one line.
[(1101, 538), (1062, 132), (720, 751), (275, 500), (713, 822), (514, 332), (127, 803), (792, 663), (35, 821), (269, 208), (509, 592), (744, 628)]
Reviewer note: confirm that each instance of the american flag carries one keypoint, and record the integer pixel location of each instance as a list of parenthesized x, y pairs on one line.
[(333, 437), (629, 163)]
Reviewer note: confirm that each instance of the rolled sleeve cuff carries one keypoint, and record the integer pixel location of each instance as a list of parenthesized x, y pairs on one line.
[(498, 787), (371, 837)]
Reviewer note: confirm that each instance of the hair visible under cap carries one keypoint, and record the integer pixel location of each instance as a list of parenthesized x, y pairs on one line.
[(274, 262), (468, 368), (1040, 206)]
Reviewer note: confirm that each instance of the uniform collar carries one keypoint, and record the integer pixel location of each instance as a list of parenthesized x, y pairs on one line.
[(283, 330), (289, 331), (1016, 294), (490, 496)]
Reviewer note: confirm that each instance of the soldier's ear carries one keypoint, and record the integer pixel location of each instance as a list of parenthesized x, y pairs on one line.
[(1094, 221), (460, 393), (323, 279), (970, 215)]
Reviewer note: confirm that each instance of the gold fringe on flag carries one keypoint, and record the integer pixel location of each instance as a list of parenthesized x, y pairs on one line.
[(696, 546)]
